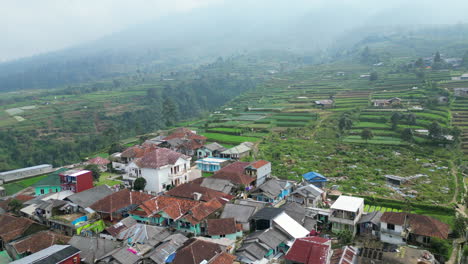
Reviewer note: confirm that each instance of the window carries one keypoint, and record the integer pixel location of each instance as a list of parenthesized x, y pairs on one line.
[(42, 191), (426, 240), (391, 226), (222, 235)]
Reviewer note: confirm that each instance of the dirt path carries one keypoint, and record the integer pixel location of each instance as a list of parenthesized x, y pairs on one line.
[(322, 117), (454, 172)]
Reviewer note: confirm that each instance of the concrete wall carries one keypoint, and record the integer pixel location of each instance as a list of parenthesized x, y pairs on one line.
[(24, 173)]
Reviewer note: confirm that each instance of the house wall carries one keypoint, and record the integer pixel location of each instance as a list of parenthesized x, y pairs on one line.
[(75, 259), (84, 182), (118, 165), (263, 173), (40, 190), (391, 236), (229, 236)]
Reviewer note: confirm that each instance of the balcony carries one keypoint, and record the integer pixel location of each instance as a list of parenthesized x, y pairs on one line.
[(393, 232), (343, 217)]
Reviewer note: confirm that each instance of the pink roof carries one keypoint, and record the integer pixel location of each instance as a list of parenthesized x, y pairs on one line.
[(158, 158)]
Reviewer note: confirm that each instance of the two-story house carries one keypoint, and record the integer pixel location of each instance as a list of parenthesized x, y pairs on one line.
[(346, 212), (185, 141), (273, 191), (76, 180), (210, 150), (161, 168), (400, 228), (260, 170)]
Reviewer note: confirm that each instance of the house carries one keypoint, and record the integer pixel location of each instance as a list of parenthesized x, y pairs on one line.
[(164, 252), (185, 141), (325, 103), (308, 196), (123, 255), (235, 173), (12, 228), (307, 250), (121, 160), (345, 255), (383, 103), (194, 191), (161, 168), (262, 245), (346, 212), (93, 248), (464, 76), (51, 183), (196, 251), (315, 178), (76, 180), (238, 152), (185, 215), (117, 205), (220, 185), (241, 213), (260, 170), (369, 225), (460, 92), (210, 150), (54, 254), (272, 191), (224, 227), (100, 162), (401, 228), (86, 198), (142, 238), (34, 243), (211, 164), (263, 219)]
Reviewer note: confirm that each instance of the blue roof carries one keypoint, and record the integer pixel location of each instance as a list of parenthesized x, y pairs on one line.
[(171, 258), (314, 177)]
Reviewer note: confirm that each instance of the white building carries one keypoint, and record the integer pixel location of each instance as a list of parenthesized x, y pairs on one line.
[(161, 168), (346, 211)]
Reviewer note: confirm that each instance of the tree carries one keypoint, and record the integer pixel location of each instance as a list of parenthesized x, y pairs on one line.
[(367, 134), (419, 63), (95, 170), (139, 184), (440, 247), (396, 117), (15, 205), (407, 135), (411, 119), (115, 147), (345, 236), (435, 131), (461, 227), (345, 123), (437, 58), (373, 76)]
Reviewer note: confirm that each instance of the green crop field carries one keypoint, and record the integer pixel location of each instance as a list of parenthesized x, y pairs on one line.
[(223, 138)]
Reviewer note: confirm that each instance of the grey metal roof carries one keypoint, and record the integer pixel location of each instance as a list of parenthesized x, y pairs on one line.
[(52, 254), (273, 237), (295, 211), (257, 204), (373, 218), (215, 146), (93, 248), (308, 191), (271, 188), (160, 253), (254, 250), (141, 233), (242, 148), (90, 196), (267, 213), (125, 257), (220, 185), (241, 213)]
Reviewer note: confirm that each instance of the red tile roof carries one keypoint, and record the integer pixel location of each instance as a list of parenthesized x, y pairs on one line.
[(12, 227), (223, 226), (174, 207), (195, 251), (158, 158), (259, 163), (235, 173), (119, 200), (309, 250), (203, 210), (223, 258), (137, 151), (184, 133), (39, 241), (188, 190), (99, 161), (418, 224)]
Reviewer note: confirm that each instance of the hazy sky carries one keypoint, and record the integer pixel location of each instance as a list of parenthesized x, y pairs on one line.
[(29, 27)]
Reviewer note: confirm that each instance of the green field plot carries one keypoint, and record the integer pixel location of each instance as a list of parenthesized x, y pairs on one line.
[(14, 187), (371, 125), (376, 140), (223, 138)]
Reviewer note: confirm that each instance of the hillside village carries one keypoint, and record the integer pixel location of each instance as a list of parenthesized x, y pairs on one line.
[(201, 202)]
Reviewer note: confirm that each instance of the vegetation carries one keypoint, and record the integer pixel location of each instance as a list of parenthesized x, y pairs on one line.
[(139, 184), (95, 170)]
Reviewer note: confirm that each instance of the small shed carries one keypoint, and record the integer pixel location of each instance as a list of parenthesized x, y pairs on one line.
[(315, 178), (395, 180)]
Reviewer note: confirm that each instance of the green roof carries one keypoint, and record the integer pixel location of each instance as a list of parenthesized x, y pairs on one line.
[(51, 180)]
